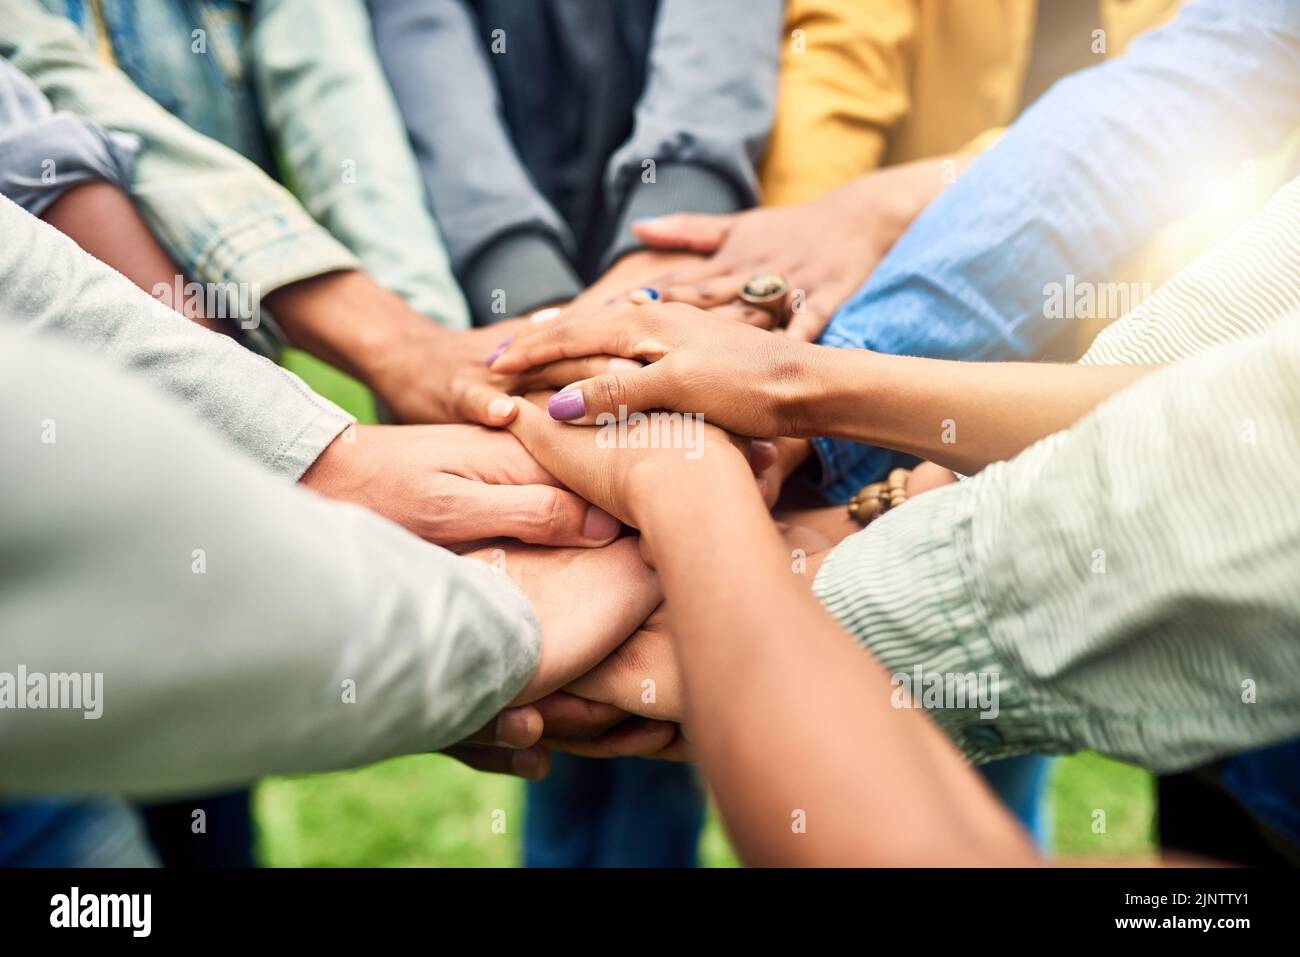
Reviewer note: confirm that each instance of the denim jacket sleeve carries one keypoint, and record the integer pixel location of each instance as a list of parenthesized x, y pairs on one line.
[(1077, 185), (340, 138), (220, 217)]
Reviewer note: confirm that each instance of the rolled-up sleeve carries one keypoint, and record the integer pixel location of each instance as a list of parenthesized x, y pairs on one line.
[(1129, 583), (221, 218), (43, 154)]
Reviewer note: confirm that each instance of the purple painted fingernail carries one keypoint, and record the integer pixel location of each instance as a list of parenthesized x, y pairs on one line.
[(567, 406), (496, 353)]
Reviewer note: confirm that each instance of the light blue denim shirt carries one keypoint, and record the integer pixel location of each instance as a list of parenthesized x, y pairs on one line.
[(1075, 187), (250, 77)]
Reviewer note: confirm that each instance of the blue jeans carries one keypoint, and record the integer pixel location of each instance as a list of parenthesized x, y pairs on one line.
[(68, 832), (1022, 783), (632, 812), (625, 812)]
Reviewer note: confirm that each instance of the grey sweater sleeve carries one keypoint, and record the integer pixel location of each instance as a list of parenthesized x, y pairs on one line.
[(704, 117), (508, 245), (49, 284), (177, 620)]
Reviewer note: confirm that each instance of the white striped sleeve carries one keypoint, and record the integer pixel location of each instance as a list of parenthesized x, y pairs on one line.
[(1131, 582)]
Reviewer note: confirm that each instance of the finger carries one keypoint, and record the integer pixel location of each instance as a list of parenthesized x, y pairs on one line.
[(513, 728), (808, 324), (749, 315), (694, 232), (536, 514), (678, 749), (635, 737), (614, 393), (557, 375), (762, 455), (621, 331), (531, 764), (811, 314), (486, 406), (567, 715), (704, 293)]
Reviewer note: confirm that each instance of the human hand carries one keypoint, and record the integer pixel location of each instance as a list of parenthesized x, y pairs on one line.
[(513, 742), (642, 676), (737, 376), (604, 465), (636, 270), (587, 601), (442, 375), (594, 729), (423, 372), (456, 483), (825, 248)]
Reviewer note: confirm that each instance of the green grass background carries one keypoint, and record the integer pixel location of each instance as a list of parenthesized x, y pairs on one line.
[(428, 810)]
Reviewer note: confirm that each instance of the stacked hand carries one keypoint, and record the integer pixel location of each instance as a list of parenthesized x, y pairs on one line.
[(825, 248), (456, 483), (739, 377)]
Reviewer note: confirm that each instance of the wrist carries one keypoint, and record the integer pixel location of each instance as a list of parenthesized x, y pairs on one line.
[(335, 473), (661, 488), (348, 320), (832, 392)]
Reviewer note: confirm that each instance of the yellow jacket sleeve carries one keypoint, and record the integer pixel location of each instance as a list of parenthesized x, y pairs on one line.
[(845, 80)]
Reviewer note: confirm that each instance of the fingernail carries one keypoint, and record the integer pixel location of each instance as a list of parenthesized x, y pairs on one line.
[(500, 408), (643, 295), (599, 525), (567, 406), (513, 726), (541, 315), (496, 353), (617, 363), (645, 219)]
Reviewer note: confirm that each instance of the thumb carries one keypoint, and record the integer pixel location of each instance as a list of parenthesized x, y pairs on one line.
[(696, 232), (615, 393)]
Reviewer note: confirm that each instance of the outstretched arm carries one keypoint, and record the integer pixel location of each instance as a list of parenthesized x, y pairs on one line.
[(801, 778), (960, 414)]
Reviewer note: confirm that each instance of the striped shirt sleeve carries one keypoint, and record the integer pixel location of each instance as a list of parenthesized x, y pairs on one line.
[(1127, 586)]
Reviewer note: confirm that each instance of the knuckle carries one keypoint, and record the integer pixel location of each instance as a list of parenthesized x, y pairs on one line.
[(609, 392), (550, 515)]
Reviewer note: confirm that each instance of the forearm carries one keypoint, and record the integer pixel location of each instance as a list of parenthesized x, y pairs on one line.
[(101, 219), (350, 321), (962, 415), (790, 721), (51, 286), (242, 626)]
